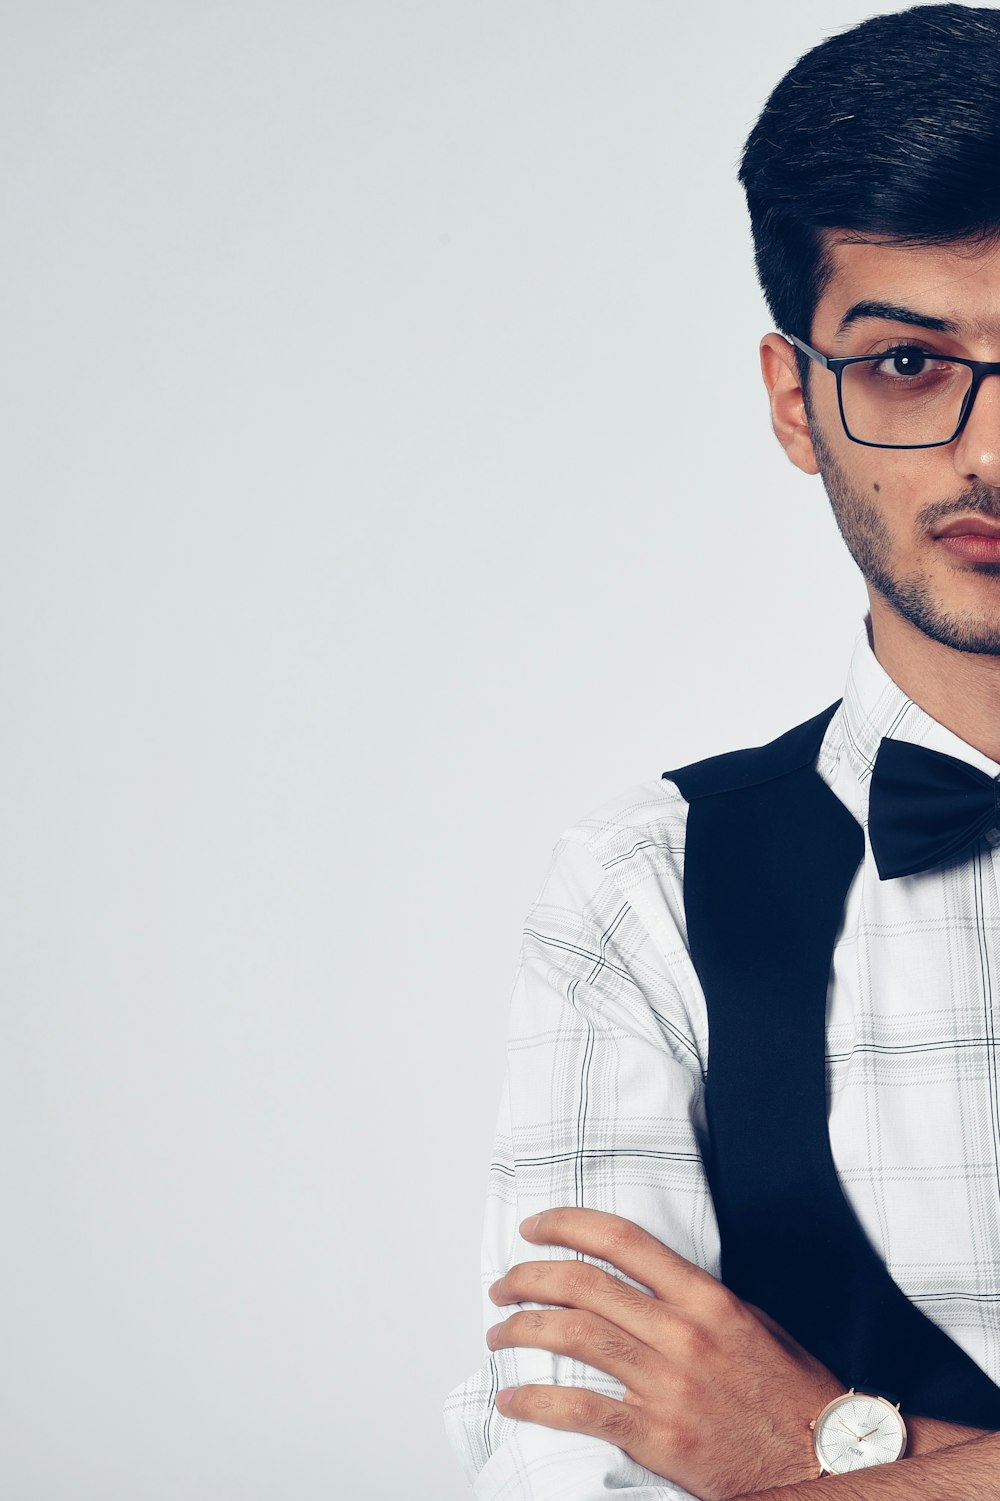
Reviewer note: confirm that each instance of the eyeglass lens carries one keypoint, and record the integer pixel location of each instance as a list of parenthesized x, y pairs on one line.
[(904, 397)]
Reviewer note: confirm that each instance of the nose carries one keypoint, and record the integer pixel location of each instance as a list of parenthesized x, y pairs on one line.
[(977, 447)]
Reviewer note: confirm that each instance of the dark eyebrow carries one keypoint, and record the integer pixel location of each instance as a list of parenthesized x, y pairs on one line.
[(895, 314)]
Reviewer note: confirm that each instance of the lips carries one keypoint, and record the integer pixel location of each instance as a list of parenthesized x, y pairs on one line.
[(972, 540), (971, 526)]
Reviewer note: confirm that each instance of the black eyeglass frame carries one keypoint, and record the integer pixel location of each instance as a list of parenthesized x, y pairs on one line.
[(980, 369)]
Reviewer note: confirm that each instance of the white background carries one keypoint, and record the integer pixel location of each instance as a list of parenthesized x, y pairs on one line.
[(387, 483)]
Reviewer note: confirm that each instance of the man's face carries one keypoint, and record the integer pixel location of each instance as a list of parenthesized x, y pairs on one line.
[(913, 518)]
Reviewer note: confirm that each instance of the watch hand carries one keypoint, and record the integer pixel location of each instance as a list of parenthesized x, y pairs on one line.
[(846, 1429)]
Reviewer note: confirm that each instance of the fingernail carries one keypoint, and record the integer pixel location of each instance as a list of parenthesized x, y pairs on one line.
[(503, 1397), (492, 1335), (529, 1226), (493, 1289)]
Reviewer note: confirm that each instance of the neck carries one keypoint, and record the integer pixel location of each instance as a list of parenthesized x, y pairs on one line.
[(961, 690)]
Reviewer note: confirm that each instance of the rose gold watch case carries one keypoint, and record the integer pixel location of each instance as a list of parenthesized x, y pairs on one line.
[(853, 1396)]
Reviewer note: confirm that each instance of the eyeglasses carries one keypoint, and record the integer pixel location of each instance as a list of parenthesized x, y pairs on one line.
[(904, 397)]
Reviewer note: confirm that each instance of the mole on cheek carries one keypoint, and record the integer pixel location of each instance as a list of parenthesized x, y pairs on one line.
[(876, 487)]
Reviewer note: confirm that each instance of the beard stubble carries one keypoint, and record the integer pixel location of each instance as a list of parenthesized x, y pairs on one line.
[(869, 541)]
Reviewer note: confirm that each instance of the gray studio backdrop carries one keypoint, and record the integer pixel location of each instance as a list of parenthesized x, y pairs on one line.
[(386, 484)]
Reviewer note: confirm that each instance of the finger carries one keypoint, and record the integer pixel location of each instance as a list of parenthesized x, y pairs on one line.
[(626, 1246), (578, 1284), (576, 1410), (581, 1336)]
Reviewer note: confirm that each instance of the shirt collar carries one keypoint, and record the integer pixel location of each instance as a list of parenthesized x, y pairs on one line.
[(875, 707)]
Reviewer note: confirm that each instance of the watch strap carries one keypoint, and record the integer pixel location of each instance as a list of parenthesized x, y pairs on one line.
[(867, 1390)]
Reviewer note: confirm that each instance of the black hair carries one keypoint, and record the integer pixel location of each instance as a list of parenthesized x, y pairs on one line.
[(891, 129)]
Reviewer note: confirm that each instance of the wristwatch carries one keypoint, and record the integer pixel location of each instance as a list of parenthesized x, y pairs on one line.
[(858, 1430)]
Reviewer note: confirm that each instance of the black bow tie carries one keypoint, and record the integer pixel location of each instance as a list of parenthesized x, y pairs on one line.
[(926, 808)]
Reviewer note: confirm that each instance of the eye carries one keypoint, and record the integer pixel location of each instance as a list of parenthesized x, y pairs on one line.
[(905, 361)]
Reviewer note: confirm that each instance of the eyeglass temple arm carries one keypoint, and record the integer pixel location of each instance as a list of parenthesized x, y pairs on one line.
[(814, 354)]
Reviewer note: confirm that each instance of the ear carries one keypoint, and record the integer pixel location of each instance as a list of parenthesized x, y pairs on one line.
[(780, 369)]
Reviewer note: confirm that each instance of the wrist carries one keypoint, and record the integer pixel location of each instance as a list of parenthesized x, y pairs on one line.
[(786, 1453), (929, 1434), (819, 1399)]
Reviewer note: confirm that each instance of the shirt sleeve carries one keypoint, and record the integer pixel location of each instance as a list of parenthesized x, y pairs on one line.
[(602, 1108)]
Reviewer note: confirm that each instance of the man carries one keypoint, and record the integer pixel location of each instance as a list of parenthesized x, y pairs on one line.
[(665, 1121)]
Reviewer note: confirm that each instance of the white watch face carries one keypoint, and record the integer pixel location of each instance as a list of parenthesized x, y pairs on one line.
[(856, 1431)]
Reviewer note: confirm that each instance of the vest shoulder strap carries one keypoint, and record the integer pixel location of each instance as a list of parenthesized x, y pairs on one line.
[(737, 769)]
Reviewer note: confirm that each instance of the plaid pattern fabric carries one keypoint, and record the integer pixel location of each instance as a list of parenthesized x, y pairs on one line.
[(608, 1048)]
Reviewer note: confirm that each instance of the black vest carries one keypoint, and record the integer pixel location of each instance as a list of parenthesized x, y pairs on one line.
[(769, 857)]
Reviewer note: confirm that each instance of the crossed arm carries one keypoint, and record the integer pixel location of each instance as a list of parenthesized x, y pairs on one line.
[(717, 1397), (603, 1101)]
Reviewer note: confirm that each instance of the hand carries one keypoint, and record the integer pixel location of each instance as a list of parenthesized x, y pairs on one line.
[(717, 1397)]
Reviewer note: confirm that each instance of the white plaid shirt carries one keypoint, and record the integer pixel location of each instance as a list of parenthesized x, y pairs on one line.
[(607, 1055)]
